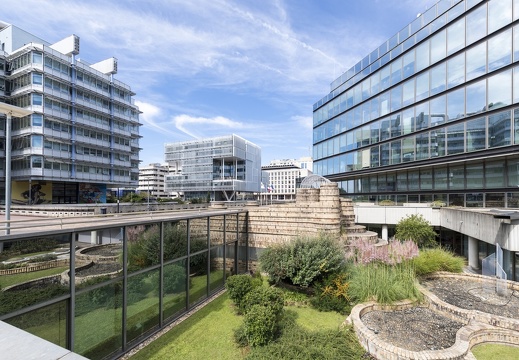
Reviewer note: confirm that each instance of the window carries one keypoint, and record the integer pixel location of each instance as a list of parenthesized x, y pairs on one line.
[(37, 119), (476, 61), (500, 50), (476, 134), (456, 36), (499, 129), (500, 90), (476, 24), (456, 71), (456, 104), (476, 97), (37, 99)]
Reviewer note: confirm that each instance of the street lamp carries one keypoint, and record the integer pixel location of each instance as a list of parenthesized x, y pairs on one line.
[(10, 111)]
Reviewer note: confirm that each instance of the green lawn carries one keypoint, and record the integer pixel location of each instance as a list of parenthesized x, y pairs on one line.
[(495, 352), (209, 332), (8, 280)]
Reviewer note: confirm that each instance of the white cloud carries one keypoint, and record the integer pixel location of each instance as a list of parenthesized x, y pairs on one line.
[(305, 121), (198, 127)]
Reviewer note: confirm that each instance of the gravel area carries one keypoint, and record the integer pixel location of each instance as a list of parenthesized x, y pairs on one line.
[(471, 295), (104, 251), (414, 329)]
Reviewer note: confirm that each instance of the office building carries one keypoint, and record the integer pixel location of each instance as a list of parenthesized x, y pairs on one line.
[(282, 177), (152, 180), (83, 134), (430, 114), (215, 169)]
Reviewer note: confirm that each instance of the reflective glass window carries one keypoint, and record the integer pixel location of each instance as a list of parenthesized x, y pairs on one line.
[(438, 110), (349, 99), (357, 94), (396, 126), (456, 11), (408, 92), (408, 149), (516, 126), (37, 99), (396, 152), (426, 179), (37, 119), (476, 97), (456, 36), (366, 112), (438, 79), (375, 132), (476, 61), (457, 177), (384, 154), (474, 175), (366, 89), (375, 83), (396, 51), (438, 47), (456, 104), (456, 71), (374, 108), (384, 103), (408, 121), (401, 181), (422, 86), (513, 174), (499, 14), (413, 180), (439, 22), (455, 139), (500, 50), (441, 178), (499, 129), (422, 56), (500, 90), (396, 71), (494, 174), (437, 141), (423, 33), (385, 127), (396, 98), (385, 76), (516, 11), (357, 116), (422, 146), (476, 24), (422, 115), (409, 64)]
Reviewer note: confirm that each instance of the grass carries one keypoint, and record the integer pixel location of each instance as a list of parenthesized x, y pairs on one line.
[(8, 280), (437, 259), (211, 331), (495, 352)]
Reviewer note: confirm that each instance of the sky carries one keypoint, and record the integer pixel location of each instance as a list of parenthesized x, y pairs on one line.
[(206, 68)]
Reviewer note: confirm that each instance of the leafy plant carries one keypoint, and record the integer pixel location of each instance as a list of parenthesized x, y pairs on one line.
[(437, 259), (416, 228), (238, 286), (260, 325), (332, 294), (265, 296)]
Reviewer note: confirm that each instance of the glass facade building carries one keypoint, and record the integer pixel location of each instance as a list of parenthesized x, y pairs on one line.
[(83, 134), (217, 167), (431, 114)]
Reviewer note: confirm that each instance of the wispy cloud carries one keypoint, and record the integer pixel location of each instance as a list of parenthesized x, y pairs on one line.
[(198, 127)]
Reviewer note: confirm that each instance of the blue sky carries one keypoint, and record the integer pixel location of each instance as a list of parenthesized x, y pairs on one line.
[(204, 68)]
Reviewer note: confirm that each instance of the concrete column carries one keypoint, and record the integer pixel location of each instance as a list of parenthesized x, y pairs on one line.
[(93, 237), (384, 232), (473, 253)]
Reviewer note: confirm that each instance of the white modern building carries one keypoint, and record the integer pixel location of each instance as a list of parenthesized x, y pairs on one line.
[(217, 169), (83, 134), (281, 177), (152, 179)]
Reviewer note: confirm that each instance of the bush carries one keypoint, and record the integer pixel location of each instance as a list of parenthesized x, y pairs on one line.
[(260, 325), (383, 283), (238, 286), (332, 295), (437, 259), (417, 228), (265, 296), (303, 261)]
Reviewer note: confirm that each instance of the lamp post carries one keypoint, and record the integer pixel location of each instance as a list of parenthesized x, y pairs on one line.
[(10, 111)]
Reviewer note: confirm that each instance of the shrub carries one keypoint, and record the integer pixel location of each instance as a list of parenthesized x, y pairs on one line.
[(363, 251), (260, 325), (437, 259), (416, 228), (238, 286), (383, 283), (332, 295), (303, 261), (265, 296)]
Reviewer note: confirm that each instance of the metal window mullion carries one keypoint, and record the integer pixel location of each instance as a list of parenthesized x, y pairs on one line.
[(188, 260), (161, 277), (224, 248), (208, 265), (125, 289), (72, 300)]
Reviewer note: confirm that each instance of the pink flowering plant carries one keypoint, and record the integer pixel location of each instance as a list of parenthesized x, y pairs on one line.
[(363, 252)]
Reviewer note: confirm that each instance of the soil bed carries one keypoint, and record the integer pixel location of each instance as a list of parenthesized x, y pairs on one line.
[(98, 269)]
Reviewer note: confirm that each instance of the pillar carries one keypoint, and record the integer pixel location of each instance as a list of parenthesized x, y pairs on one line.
[(93, 237), (473, 253), (384, 232)]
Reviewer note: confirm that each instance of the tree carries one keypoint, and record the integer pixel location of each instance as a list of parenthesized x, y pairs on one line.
[(416, 228)]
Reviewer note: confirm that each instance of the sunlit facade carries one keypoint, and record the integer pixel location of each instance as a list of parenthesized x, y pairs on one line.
[(431, 114), (83, 135)]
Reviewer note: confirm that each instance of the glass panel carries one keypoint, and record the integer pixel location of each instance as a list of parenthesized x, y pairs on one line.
[(375, 83), (500, 50), (408, 93), (476, 25), (494, 174), (401, 181), (413, 180), (495, 200), (516, 43), (516, 126), (384, 154), (382, 186), (385, 126), (143, 304), (384, 103), (426, 179), (396, 126), (474, 200), (456, 104), (175, 277), (197, 235), (101, 309), (396, 152), (422, 146), (438, 142), (456, 36), (374, 156), (499, 129), (438, 47), (408, 121), (396, 71), (366, 88), (500, 90), (422, 86), (455, 139), (143, 243), (408, 149), (422, 56), (422, 115), (476, 134), (30, 260), (438, 110), (409, 64), (516, 85), (49, 322), (440, 178), (456, 200), (457, 177), (474, 173), (175, 240), (198, 276), (438, 79), (513, 173), (396, 98), (476, 97), (385, 76), (476, 61), (499, 14), (216, 280), (456, 71)]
